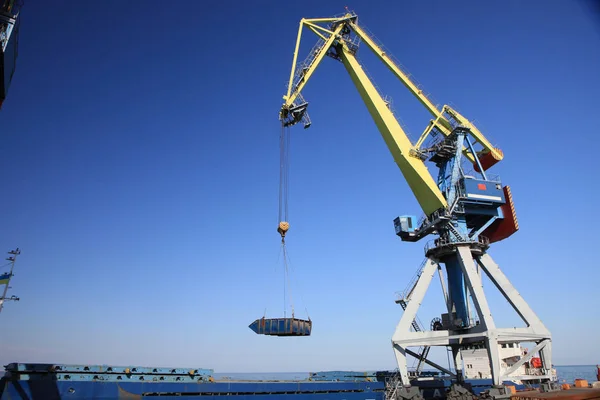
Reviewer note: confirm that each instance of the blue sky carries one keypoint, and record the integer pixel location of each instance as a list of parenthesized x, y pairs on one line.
[(140, 170)]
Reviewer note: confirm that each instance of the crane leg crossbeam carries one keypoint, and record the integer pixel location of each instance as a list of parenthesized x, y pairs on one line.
[(472, 263)]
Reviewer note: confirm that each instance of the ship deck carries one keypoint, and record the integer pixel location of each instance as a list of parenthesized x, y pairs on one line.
[(48, 381)]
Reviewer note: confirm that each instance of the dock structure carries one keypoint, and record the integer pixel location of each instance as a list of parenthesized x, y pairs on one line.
[(569, 394)]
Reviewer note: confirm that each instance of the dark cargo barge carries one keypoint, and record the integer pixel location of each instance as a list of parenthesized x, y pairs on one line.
[(51, 381)]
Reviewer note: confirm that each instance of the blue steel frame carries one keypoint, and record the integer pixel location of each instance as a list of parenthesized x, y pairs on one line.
[(456, 229)]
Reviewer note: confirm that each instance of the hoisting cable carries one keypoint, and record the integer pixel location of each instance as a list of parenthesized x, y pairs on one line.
[(276, 269), (283, 226), (283, 223), (289, 267), (284, 144), (287, 280)]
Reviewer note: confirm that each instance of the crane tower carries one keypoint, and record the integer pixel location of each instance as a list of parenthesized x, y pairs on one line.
[(465, 211)]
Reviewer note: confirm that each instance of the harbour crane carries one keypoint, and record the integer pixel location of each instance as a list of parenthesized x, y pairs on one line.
[(465, 212), (9, 43)]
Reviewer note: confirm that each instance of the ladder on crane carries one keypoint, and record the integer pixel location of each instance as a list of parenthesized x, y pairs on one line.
[(403, 300)]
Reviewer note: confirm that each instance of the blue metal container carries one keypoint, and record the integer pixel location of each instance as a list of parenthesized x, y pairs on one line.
[(405, 225), (483, 192), (282, 326)]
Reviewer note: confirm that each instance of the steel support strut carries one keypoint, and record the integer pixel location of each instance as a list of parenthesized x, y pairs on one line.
[(414, 302), (483, 310), (469, 258)]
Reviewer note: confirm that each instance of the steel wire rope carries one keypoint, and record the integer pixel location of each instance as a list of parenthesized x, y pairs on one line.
[(287, 279), (291, 269), (281, 171), (287, 170), (276, 268), (284, 163), (284, 167)]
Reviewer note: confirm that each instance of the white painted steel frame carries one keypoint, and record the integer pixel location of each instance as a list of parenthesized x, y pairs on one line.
[(535, 331)]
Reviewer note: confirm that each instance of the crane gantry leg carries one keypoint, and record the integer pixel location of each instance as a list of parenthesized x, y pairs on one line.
[(472, 259)]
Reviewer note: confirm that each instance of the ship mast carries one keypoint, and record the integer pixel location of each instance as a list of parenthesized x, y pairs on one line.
[(5, 278)]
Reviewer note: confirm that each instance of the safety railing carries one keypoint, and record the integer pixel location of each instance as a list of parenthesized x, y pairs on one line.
[(306, 63), (470, 172), (441, 242)]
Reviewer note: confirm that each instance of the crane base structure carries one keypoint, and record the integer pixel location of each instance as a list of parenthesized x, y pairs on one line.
[(472, 259)]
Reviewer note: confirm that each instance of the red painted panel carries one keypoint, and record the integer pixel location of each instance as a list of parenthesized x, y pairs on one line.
[(501, 229), (487, 161)]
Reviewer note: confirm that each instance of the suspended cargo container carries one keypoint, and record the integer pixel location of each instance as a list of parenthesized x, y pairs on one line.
[(282, 326)]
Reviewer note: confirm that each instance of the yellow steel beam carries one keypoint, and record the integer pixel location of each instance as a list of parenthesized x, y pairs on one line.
[(318, 20), (479, 137), (425, 133), (415, 172), (433, 123), (295, 59), (316, 32), (398, 72), (318, 27), (445, 126), (291, 96), (441, 122)]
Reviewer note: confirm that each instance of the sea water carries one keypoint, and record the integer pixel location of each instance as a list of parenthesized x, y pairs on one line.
[(568, 373)]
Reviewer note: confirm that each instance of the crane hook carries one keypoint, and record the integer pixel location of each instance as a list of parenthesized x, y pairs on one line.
[(282, 229)]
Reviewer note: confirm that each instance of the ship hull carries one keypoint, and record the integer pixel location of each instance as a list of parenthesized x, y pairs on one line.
[(73, 382), (304, 390), (58, 390)]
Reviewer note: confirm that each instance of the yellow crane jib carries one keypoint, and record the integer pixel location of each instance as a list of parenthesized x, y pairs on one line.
[(336, 41)]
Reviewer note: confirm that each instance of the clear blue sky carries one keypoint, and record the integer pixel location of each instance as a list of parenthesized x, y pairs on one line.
[(140, 171)]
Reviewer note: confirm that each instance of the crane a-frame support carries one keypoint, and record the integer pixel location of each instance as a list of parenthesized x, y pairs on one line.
[(472, 262)]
